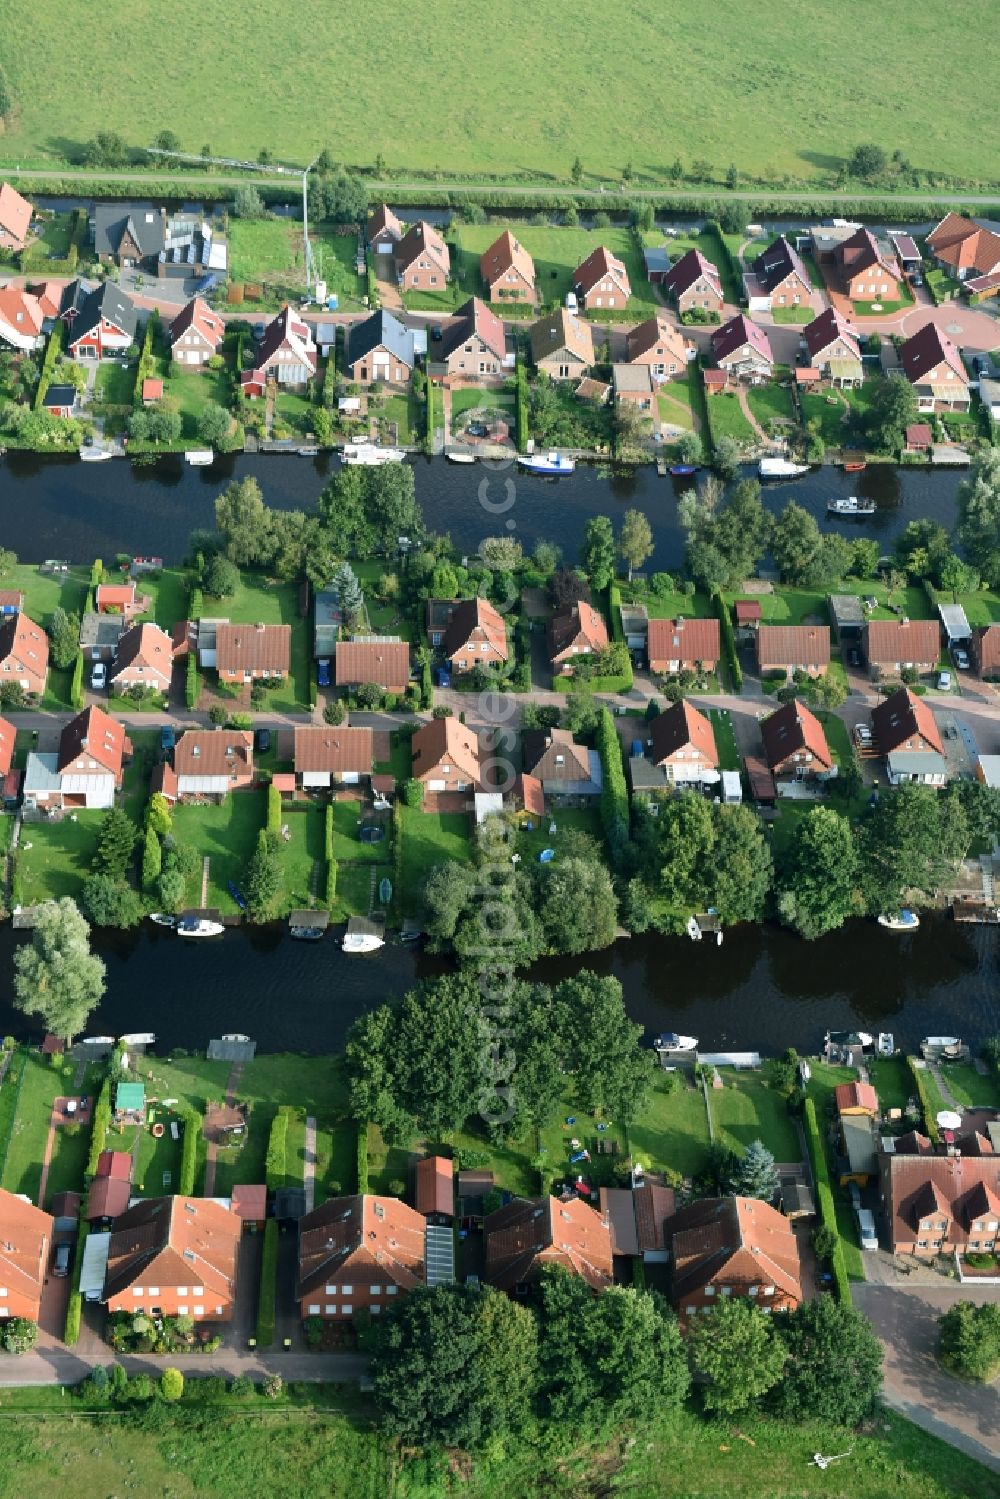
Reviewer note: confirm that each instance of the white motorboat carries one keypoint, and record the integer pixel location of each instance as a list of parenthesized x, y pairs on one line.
[(198, 926), (160, 918), (903, 921), (671, 1041), (95, 455), (355, 942), (138, 1038), (886, 1044), (941, 1043), (549, 463), (453, 456), (850, 505), (200, 457), (693, 929), (235, 1036), (308, 452), (781, 468), (368, 454)]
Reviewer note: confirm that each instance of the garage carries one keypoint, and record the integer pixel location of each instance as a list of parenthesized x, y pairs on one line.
[(437, 785)]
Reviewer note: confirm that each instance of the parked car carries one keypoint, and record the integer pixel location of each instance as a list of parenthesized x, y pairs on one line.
[(862, 734), (259, 329), (944, 681), (916, 279), (99, 676), (70, 1107), (262, 741), (477, 429), (961, 656), (372, 833), (323, 672), (442, 676), (61, 1260), (437, 333), (854, 656), (168, 738), (571, 303)]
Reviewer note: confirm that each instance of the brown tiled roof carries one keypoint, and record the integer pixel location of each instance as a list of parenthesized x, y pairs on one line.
[(144, 645), (381, 220), (738, 332), (599, 263), (657, 336), (445, 741), (373, 1240), (679, 727), (919, 434), (747, 611), (779, 261), (7, 735), (247, 647), (249, 1201), (735, 1242), (888, 641), (965, 245), (115, 1163), (163, 780), (435, 1185), (959, 1188), (215, 752), (98, 735), (925, 350), (689, 269), (174, 1241), (953, 227), (21, 637), (554, 755), (913, 1143), (335, 749), (386, 662), (986, 649), (25, 1240), (15, 211), (826, 329), (792, 729), (422, 239), (285, 330), (506, 254), (474, 318), (636, 1216), (528, 792), (862, 251), (562, 330), (196, 316), (901, 717), (536, 1231), (855, 1096), (793, 645), (474, 614), (687, 639), (108, 1197), (974, 1143), (581, 625)]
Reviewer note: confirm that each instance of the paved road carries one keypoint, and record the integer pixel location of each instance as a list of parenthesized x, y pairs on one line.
[(69, 1367), (905, 1319)]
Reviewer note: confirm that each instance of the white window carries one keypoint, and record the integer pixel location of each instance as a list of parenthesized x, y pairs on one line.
[(347, 1309), (199, 1311), (484, 648), (330, 1309), (313, 1309), (154, 1290), (197, 1290), (182, 1290), (752, 1290), (376, 1290), (709, 1290), (390, 1290), (138, 1291), (331, 1290), (690, 1310), (218, 1311), (346, 1290), (376, 1311), (182, 1311), (4, 1292), (768, 1290), (991, 1226)]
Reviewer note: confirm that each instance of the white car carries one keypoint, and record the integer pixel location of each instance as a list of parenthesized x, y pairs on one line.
[(961, 658), (863, 734), (99, 676), (944, 681)]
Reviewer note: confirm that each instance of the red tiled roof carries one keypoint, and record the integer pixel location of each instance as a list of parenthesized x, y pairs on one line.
[(249, 1202), (114, 596), (919, 435), (600, 263), (986, 649), (245, 647), (689, 269), (168, 1241), (25, 1241), (152, 388), (747, 611), (793, 645), (475, 319), (215, 752), (385, 662), (527, 790), (738, 333), (530, 1232), (15, 211), (383, 219), (959, 1189), (735, 1242), (901, 717), (21, 638), (687, 639), (445, 741), (791, 730), (925, 350), (863, 251), (681, 726), (965, 245), (506, 254), (7, 735), (370, 1240), (435, 1185), (108, 1197), (888, 641), (145, 646), (116, 1164), (851, 1096), (96, 735), (22, 311), (636, 1216), (197, 317), (336, 749), (582, 626)]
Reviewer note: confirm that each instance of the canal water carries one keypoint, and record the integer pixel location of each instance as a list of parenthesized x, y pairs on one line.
[(764, 989)]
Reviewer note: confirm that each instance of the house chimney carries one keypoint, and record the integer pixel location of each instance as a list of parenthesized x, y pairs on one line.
[(259, 626), (904, 619)]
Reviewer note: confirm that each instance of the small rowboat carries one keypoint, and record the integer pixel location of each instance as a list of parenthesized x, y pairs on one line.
[(385, 891), (854, 465), (683, 468)]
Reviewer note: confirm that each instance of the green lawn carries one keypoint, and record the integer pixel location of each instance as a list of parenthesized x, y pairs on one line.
[(473, 398), (405, 414), (115, 383), (772, 402), (228, 835), (981, 608), (59, 858), (668, 605), (581, 819), (971, 1088), (347, 845), (710, 246), (747, 1109), (556, 252), (893, 1081), (400, 758), (829, 410), (43, 592), (429, 839), (193, 390), (790, 606), (303, 858), (821, 1085), (726, 419), (261, 599), (725, 738), (673, 1129), (42, 1082), (792, 314)]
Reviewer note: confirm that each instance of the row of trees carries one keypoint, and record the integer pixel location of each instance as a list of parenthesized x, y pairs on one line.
[(462, 1367)]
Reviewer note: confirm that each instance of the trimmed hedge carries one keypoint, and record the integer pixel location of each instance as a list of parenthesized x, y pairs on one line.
[(10, 1095), (152, 859), (919, 1075), (189, 1155), (268, 1285), (614, 790), (824, 1201), (431, 398), (74, 1307), (362, 1158), (53, 352), (521, 397), (273, 809), (191, 684), (728, 638), (275, 1164), (76, 690), (331, 881), (99, 1126), (615, 611), (328, 832)]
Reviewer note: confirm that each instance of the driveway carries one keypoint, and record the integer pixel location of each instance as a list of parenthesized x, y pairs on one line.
[(905, 1319)]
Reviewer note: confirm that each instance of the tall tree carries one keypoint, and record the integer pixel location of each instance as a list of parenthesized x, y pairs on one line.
[(743, 867), (263, 877), (635, 543), (911, 841), (245, 523), (979, 515), (610, 1071), (64, 633), (756, 1174), (726, 536), (366, 510), (867, 161), (834, 1368), (738, 1354), (57, 977), (795, 542), (686, 832), (969, 1340), (115, 842), (577, 905), (891, 409), (819, 874), (352, 600), (597, 556)]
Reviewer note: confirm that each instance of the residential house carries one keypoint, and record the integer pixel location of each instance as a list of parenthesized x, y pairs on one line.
[(384, 662), (791, 648), (985, 651), (636, 1217), (743, 350), (601, 281), (15, 218), (380, 348), (474, 344), (934, 368), (656, 259), (868, 273), (682, 743), (111, 1187), (893, 645), (192, 249), (724, 1247), (832, 348), (563, 767), (906, 734), (21, 319), (682, 644), (434, 1193), (100, 323), (526, 797), (577, 631), (777, 278), (856, 1098), (384, 230), (100, 634), (145, 658), (49, 295), (286, 353), (964, 248), (532, 1232), (694, 282), (633, 386), (795, 744), (195, 334), (562, 345), (210, 763), (24, 653), (87, 769), (473, 635), (176, 1256), (356, 1252), (25, 1251), (120, 598), (129, 234), (507, 270), (59, 400), (847, 617), (332, 755), (423, 262), (446, 756), (941, 1205), (660, 346), (251, 653)]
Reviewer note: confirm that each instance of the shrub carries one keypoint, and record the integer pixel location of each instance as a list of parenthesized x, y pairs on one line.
[(614, 790), (274, 1165), (74, 1311), (152, 860), (242, 1386), (171, 1385), (825, 1203), (362, 1157), (273, 809), (100, 1124), (413, 793), (268, 1285), (927, 1107), (331, 881), (191, 684), (189, 1154), (728, 639), (19, 1335), (273, 1387), (328, 832)]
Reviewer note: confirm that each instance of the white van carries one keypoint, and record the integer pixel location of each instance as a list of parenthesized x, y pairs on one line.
[(866, 1229), (572, 305)]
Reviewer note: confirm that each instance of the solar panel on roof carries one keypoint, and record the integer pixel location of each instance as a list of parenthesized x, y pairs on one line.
[(439, 1248)]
